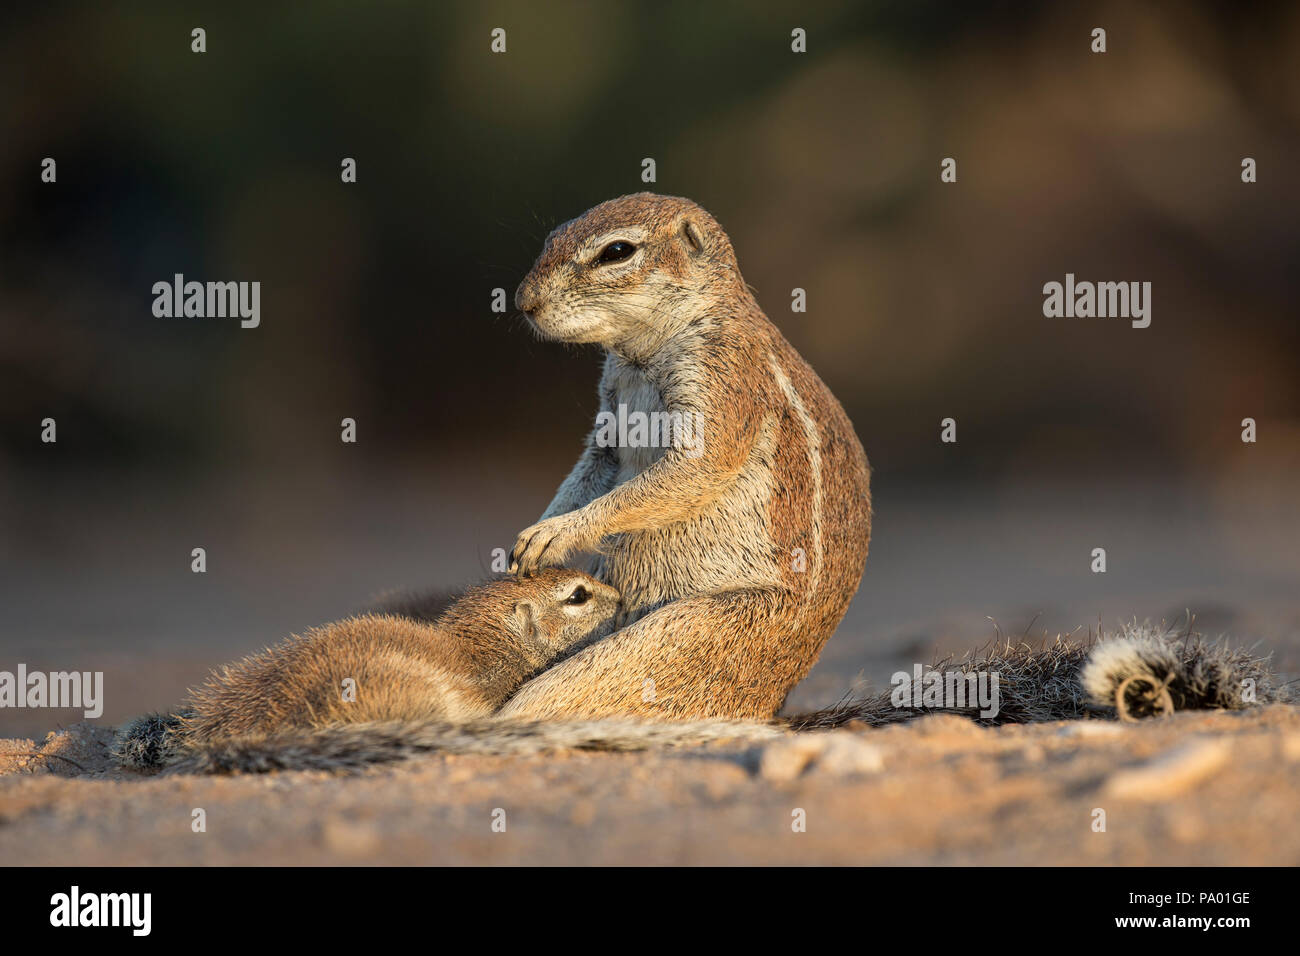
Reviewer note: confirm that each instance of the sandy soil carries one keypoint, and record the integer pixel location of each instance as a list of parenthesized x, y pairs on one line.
[(1196, 788)]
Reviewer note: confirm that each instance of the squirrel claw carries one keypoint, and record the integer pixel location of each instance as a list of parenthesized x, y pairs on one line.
[(545, 544)]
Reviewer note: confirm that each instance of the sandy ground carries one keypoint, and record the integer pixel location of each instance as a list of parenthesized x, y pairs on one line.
[(1196, 788)]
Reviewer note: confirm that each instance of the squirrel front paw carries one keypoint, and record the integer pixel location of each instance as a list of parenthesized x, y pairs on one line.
[(547, 544)]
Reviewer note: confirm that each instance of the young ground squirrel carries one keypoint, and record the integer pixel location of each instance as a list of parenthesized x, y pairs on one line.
[(736, 556), (458, 668)]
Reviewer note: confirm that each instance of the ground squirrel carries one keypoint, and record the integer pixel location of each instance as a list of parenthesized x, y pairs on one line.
[(736, 553), (397, 667)]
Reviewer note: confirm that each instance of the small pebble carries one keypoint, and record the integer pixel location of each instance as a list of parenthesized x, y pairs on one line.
[(350, 838), (1169, 774), (839, 753), (1092, 728)]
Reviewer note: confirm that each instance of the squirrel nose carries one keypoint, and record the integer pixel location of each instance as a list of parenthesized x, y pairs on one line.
[(525, 298)]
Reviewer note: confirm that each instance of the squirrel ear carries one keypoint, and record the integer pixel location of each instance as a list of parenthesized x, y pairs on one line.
[(526, 619), (692, 237)]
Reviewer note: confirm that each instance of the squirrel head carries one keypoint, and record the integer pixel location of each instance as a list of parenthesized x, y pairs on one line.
[(546, 613), (630, 274), (561, 608)]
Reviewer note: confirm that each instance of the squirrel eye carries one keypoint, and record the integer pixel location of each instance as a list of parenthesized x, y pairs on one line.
[(579, 596), (616, 251)]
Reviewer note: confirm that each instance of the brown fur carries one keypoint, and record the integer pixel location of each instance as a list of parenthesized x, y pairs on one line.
[(461, 667), (701, 546)]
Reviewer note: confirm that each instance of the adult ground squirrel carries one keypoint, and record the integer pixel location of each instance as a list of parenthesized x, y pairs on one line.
[(736, 548), (386, 667)]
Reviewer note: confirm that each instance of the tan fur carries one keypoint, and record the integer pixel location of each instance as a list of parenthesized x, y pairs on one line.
[(460, 667), (701, 542)]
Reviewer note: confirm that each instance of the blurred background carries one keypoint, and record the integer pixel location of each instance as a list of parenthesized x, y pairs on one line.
[(924, 302)]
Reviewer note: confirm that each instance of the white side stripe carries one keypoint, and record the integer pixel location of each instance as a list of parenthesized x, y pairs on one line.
[(813, 439)]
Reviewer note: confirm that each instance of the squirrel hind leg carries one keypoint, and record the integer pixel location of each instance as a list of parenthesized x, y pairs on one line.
[(692, 659)]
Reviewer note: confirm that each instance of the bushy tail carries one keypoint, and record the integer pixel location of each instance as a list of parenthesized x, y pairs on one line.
[(1140, 672), (352, 747), (1147, 671), (1035, 684), (151, 741)]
